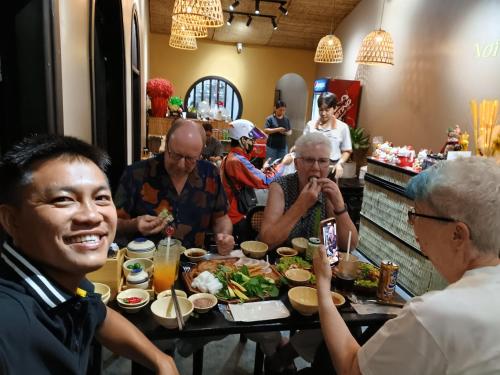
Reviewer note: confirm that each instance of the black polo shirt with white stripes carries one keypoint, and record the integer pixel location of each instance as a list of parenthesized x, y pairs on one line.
[(44, 329)]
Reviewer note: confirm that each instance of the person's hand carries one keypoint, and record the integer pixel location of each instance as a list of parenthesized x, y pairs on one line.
[(282, 130), (322, 269), (339, 171), (224, 242), (148, 225), (332, 192), (266, 164), (287, 159), (309, 194)]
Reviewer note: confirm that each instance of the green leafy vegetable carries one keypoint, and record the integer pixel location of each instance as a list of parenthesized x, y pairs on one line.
[(286, 262)]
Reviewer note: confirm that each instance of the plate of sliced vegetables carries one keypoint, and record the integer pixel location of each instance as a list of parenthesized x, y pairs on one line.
[(239, 282)]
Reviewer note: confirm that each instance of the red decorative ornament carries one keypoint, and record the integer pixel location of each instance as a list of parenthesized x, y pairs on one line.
[(159, 106), (159, 90)]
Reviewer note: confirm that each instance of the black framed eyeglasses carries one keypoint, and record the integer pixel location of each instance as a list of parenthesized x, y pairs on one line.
[(412, 215), (177, 157)]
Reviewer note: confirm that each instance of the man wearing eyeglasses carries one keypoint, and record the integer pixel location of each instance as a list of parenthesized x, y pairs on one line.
[(295, 205), (179, 182), (456, 221)]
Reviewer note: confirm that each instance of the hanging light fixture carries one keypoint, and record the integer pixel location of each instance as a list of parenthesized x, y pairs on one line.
[(230, 19), (187, 30), (183, 42), (249, 21), (207, 13), (377, 47), (329, 49)]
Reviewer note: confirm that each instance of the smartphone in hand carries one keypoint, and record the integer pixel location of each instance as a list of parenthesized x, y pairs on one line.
[(329, 239)]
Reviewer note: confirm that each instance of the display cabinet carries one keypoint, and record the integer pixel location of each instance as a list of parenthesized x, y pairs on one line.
[(385, 233)]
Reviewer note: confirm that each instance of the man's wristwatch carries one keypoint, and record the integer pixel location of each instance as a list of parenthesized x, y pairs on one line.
[(341, 211)]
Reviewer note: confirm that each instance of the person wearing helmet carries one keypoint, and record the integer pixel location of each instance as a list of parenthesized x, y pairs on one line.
[(238, 172)]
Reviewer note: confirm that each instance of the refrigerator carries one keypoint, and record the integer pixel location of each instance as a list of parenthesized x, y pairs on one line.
[(348, 94)]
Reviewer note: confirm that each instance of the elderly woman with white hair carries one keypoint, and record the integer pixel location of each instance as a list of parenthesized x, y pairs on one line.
[(456, 220), (295, 200)]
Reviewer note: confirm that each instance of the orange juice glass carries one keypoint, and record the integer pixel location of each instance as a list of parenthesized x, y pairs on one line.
[(166, 264)]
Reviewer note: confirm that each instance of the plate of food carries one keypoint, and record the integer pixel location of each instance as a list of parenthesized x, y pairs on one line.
[(234, 280), (366, 281)]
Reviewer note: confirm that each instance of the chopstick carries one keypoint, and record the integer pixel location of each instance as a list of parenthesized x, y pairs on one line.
[(178, 313)]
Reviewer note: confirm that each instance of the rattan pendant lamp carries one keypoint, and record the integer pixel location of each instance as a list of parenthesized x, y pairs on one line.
[(205, 13), (329, 49), (183, 42), (188, 30), (377, 47)]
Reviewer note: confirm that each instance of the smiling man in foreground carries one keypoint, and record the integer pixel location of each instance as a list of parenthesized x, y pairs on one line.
[(59, 219)]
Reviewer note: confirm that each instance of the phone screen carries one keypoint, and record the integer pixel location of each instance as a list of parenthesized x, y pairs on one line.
[(329, 239)]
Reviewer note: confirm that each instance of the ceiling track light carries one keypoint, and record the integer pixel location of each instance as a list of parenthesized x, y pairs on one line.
[(230, 19), (257, 7), (234, 5), (249, 21), (275, 25), (283, 9)]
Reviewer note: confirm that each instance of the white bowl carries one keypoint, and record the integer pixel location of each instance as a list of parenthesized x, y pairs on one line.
[(132, 307), (195, 254), (286, 252), (159, 310), (102, 289), (140, 254), (254, 249), (209, 302), (168, 292), (298, 276), (106, 300), (146, 264), (305, 299)]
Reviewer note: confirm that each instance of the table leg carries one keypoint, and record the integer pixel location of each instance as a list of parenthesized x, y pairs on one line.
[(259, 360), (198, 362)]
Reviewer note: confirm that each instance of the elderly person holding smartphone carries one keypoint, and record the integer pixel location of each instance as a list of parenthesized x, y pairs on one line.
[(295, 200), (452, 331), (294, 205)]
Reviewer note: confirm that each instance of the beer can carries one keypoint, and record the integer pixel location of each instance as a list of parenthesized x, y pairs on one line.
[(312, 247), (387, 281)]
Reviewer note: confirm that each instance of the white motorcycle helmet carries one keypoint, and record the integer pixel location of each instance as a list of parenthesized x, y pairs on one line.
[(241, 128)]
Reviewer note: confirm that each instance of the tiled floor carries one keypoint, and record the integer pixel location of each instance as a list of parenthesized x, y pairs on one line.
[(225, 357)]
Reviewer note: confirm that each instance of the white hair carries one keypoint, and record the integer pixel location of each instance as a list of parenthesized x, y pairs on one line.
[(310, 140), (466, 190)]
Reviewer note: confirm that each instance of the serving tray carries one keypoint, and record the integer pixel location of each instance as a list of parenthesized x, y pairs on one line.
[(211, 265)]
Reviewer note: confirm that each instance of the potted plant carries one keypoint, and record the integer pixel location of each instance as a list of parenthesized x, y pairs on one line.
[(360, 145)]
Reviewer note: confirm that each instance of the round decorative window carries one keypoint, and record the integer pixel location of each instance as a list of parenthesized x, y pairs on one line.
[(216, 91)]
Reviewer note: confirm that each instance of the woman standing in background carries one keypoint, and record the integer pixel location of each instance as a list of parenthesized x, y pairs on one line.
[(277, 127), (336, 131)]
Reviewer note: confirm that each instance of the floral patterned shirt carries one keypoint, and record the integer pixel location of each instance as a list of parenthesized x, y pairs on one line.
[(146, 189)]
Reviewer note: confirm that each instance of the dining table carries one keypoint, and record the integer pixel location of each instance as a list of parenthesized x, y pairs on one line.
[(214, 323)]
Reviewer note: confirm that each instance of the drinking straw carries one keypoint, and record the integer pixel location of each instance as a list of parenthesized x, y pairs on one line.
[(348, 246)]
